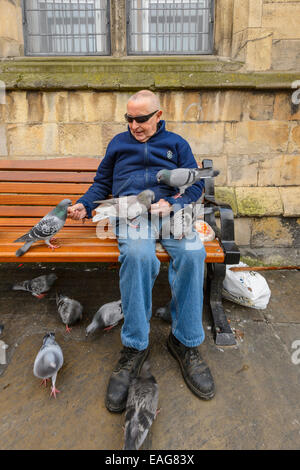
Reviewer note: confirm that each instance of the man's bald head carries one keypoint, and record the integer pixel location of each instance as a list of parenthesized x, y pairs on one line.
[(148, 97)]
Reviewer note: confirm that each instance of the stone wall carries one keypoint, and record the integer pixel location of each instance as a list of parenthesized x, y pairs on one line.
[(252, 137)]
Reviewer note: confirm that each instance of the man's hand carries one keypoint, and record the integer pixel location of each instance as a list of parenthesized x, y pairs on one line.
[(161, 207), (77, 212)]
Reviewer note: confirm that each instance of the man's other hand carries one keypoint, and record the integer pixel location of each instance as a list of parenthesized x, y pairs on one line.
[(161, 207), (77, 212)]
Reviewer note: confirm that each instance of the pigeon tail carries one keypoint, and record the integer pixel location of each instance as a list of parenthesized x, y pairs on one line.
[(21, 251), (23, 238)]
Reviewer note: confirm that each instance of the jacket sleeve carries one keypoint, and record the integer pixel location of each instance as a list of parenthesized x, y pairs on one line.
[(102, 186), (194, 192)]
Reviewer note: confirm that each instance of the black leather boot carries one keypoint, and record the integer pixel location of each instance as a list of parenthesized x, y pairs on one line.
[(194, 370), (128, 366)]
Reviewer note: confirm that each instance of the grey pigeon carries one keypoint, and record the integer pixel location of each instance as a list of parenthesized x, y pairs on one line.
[(106, 317), (129, 208), (70, 310), (164, 313), (37, 286), (141, 408), (48, 361), (184, 176), (46, 228)]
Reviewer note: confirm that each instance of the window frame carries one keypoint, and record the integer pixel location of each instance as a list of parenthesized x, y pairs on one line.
[(67, 54), (211, 38)]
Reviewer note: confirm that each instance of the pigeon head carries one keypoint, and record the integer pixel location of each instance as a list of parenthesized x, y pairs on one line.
[(49, 338), (62, 208), (92, 327), (162, 176), (146, 196)]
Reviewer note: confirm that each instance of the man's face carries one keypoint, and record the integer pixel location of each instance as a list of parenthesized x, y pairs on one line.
[(143, 131)]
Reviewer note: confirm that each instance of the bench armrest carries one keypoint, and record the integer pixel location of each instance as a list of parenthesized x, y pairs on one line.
[(226, 233)]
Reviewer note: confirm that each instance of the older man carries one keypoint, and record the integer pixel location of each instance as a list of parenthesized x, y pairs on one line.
[(130, 165)]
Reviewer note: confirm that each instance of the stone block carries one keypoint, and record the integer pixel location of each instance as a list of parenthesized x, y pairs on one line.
[(290, 170), (121, 100), (242, 170), (226, 195), (258, 201), (282, 18), (222, 105), (242, 230), (255, 13), (32, 140), (85, 106), (270, 231), (284, 108), (240, 15), (80, 139), (9, 27), (204, 138), (35, 106), (250, 137), (181, 106), (286, 55), (269, 171), (259, 49), (259, 106), (290, 198), (16, 109), (294, 144)]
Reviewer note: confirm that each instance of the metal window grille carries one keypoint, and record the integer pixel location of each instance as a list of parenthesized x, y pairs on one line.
[(66, 27), (169, 27)]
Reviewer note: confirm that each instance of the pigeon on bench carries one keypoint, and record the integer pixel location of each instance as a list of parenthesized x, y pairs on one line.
[(129, 208), (46, 228)]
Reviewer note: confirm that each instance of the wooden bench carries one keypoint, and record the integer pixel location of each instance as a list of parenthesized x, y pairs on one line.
[(31, 188)]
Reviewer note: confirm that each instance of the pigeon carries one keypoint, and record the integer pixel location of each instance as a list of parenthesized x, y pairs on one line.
[(46, 228), (48, 361), (181, 221), (37, 286), (127, 207), (164, 313), (70, 310), (106, 317), (141, 408), (184, 176)]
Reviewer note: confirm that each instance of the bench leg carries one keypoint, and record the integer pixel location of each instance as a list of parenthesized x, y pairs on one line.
[(222, 331)]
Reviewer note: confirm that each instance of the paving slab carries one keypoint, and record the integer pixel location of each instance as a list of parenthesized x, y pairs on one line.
[(257, 381)]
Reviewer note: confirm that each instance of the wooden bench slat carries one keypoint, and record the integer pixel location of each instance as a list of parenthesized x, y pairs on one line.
[(53, 176), (31, 221), (52, 164), (43, 188), (35, 199)]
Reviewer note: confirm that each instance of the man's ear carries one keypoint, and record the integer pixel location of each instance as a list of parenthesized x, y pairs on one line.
[(159, 114)]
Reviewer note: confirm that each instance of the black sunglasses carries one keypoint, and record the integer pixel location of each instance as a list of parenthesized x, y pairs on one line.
[(139, 119)]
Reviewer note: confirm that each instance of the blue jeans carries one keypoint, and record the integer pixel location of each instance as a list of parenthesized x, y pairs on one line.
[(138, 271)]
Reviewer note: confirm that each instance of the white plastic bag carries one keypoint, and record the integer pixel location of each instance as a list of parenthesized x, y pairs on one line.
[(247, 288)]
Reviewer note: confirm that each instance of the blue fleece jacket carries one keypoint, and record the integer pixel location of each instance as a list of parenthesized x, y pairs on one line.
[(130, 166)]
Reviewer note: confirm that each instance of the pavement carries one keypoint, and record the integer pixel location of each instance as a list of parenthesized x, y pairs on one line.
[(256, 405)]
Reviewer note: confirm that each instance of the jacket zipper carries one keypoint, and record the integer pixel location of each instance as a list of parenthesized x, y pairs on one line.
[(146, 163)]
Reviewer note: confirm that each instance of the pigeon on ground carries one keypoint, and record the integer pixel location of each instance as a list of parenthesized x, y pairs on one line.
[(184, 176), (164, 313), (129, 208), (48, 361), (70, 310), (37, 286), (46, 228), (141, 408), (106, 317)]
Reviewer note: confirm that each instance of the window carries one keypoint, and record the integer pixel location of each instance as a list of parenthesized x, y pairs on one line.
[(66, 27), (82, 27), (169, 26)]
